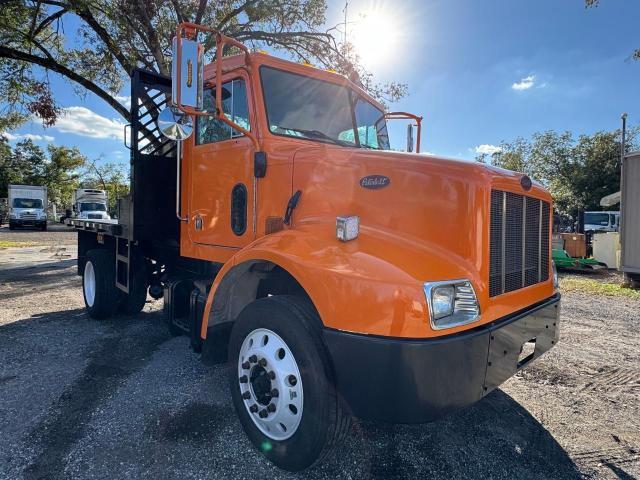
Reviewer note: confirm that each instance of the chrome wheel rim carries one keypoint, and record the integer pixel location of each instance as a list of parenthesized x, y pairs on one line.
[(270, 384), (89, 282)]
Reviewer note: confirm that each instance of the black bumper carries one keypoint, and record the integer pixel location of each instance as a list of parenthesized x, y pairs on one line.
[(27, 223), (416, 381)]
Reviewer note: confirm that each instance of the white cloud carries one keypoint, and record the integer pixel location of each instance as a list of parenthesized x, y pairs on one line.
[(87, 123), (27, 136), (525, 84), (487, 149), (124, 100)]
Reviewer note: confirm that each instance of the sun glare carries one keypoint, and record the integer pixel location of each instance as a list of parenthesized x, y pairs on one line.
[(375, 36)]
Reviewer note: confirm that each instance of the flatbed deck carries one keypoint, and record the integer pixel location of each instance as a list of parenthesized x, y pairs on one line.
[(110, 227)]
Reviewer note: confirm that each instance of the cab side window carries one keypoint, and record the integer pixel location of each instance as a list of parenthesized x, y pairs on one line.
[(234, 105)]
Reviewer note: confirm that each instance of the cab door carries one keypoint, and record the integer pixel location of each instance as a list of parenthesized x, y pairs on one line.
[(221, 206)]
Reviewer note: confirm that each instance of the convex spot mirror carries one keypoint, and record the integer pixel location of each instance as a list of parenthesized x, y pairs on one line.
[(175, 124), (187, 73)]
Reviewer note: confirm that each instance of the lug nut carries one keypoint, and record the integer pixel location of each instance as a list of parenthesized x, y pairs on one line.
[(262, 362), (263, 414), (271, 407), (253, 359), (274, 392), (292, 380), (253, 408), (271, 375), (243, 379), (246, 365), (246, 395)]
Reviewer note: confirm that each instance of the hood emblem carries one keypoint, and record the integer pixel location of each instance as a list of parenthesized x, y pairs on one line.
[(375, 182)]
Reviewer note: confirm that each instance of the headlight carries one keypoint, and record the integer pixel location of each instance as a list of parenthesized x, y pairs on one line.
[(451, 303), (556, 283), (442, 300), (13, 215)]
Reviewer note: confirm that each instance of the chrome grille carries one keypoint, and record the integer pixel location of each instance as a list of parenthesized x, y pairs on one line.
[(518, 243), (28, 216)]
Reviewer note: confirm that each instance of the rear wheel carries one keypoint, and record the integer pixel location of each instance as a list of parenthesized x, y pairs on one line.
[(99, 284), (282, 384)]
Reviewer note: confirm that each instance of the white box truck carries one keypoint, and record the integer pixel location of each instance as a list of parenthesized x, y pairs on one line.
[(90, 204), (27, 206)]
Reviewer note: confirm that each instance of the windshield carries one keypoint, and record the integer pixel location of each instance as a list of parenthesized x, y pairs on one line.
[(93, 206), (304, 107), (27, 203), (596, 218)]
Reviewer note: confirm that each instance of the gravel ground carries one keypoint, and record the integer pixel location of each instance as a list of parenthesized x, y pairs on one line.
[(123, 399)]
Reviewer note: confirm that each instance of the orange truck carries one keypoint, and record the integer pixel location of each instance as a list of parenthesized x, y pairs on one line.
[(337, 278)]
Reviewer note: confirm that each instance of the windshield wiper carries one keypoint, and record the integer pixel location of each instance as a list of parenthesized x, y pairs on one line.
[(319, 134)]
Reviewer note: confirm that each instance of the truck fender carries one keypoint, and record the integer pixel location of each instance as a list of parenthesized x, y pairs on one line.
[(351, 288)]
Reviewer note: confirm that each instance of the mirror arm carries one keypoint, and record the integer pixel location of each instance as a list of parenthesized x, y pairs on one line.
[(221, 41), (188, 28), (407, 116)]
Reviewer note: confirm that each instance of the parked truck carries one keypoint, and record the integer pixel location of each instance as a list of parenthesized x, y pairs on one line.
[(27, 206), (90, 204), (336, 277)]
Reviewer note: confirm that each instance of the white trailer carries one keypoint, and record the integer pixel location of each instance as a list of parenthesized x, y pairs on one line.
[(27, 206), (630, 208)]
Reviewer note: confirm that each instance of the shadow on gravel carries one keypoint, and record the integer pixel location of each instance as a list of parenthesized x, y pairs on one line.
[(496, 438), (27, 280), (126, 348)]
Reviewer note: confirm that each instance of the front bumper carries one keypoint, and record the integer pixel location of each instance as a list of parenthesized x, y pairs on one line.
[(416, 381), (20, 222)]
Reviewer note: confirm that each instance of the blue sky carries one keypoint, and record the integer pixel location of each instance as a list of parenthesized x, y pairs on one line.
[(479, 71)]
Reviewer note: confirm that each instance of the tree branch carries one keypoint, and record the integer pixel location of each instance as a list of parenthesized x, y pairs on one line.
[(49, 64)]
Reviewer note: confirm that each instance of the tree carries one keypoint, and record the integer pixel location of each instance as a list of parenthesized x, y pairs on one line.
[(577, 172), (27, 164), (115, 36), (595, 3)]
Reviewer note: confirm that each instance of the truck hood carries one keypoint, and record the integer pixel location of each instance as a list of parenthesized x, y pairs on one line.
[(428, 215)]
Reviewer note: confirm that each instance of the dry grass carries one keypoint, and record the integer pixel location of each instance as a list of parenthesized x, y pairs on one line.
[(12, 244), (595, 287)]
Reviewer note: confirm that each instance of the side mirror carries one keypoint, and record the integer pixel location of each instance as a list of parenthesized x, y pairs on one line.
[(410, 138), (187, 73), (175, 124)]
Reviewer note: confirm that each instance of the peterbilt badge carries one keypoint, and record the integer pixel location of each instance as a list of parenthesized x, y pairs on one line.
[(375, 182)]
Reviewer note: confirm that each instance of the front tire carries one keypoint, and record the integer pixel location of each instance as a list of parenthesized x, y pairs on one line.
[(99, 284), (282, 383)]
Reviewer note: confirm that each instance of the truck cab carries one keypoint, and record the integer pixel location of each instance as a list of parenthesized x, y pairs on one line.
[(602, 221), (90, 204), (337, 278)]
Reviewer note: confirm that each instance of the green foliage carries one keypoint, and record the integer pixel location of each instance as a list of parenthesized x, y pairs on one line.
[(578, 172), (57, 168)]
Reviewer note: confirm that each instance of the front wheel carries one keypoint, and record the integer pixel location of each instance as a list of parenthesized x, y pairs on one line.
[(282, 384)]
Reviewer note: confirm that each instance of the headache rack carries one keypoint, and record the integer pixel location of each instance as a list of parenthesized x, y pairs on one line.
[(519, 242), (146, 216)]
